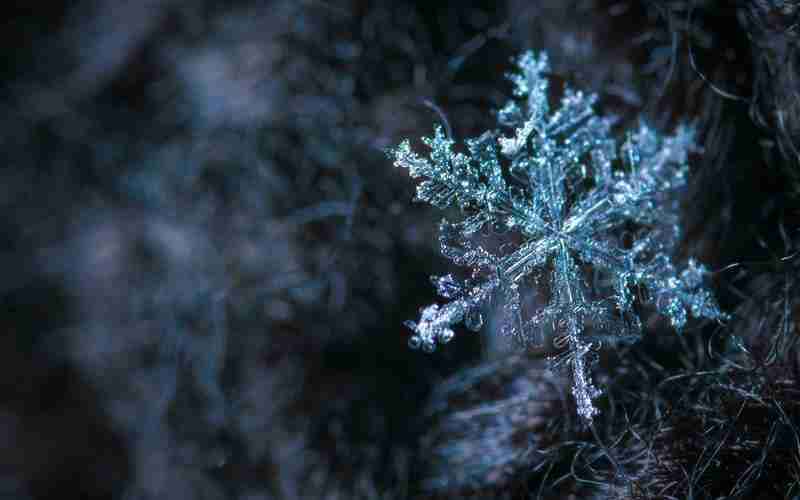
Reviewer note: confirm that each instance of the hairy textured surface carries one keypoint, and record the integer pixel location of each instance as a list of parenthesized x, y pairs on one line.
[(206, 261), (487, 425)]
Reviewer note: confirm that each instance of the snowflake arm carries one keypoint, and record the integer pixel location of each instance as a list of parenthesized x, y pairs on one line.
[(579, 204)]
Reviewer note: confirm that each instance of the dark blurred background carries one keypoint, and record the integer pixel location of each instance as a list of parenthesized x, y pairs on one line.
[(206, 257)]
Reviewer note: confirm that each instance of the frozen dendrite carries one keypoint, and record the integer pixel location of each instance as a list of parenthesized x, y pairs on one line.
[(592, 224)]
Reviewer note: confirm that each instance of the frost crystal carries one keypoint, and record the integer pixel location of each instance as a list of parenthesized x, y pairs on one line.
[(590, 223)]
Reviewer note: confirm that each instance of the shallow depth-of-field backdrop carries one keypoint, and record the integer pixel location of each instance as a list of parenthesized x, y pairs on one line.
[(206, 256)]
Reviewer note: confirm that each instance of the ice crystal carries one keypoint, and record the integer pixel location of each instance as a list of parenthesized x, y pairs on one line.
[(592, 223)]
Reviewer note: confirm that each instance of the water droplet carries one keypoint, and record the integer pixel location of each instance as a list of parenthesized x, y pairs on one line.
[(446, 335), (474, 320)]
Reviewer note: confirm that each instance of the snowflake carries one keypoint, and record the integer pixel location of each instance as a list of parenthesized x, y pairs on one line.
[(590, 223)]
